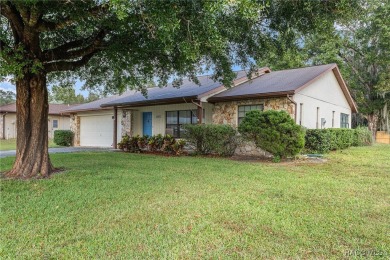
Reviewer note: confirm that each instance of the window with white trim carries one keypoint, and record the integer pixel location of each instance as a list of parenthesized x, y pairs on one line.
[(344, 120), (242, 110)]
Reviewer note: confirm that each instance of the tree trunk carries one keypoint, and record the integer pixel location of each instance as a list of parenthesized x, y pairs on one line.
[(32, 156), (373, 124)]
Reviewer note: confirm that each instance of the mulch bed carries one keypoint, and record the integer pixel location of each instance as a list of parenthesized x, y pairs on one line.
[(240, 158)]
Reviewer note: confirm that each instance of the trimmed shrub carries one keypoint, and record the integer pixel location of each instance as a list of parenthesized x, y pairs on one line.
[(273, 131), (156, 143), (63, 137), (325, 140), (212, 139), (318, 140), (341, 138), (363, 137)]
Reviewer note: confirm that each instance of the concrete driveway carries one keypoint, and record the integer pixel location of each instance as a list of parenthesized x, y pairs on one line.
[(9, 153)]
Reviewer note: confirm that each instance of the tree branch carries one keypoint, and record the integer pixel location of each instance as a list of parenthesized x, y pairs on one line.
[(75, 49), (3, 45), (6, 50), (11, 13), (44, 25), (69, 65)]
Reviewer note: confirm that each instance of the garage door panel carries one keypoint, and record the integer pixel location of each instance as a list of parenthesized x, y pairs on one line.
[(96, 131)]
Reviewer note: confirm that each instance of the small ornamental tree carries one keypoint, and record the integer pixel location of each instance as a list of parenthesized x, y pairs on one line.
[(273, 131)]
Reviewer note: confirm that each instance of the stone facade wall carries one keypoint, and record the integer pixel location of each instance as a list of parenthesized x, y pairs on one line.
[(227, 112), (75, 128), (127, 122), (250, 149)]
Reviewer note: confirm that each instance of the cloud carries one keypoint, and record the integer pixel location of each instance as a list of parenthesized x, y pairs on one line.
[(6, 86)]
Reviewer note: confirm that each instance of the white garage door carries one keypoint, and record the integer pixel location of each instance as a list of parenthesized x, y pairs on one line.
[(96, 130)]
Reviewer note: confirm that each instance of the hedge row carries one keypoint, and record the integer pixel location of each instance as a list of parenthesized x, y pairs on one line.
[(325, 140), (212, 139), (155, 143)]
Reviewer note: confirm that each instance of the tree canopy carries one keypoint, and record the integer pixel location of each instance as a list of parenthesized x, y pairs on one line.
[(7, 97), (66, 94)]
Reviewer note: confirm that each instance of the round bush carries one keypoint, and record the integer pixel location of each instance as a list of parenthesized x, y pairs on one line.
[(63, 137), (273, 131)]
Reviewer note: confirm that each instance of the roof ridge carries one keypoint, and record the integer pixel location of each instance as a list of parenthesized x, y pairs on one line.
[(307, 67)]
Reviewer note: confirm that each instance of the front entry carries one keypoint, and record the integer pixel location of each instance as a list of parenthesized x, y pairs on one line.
[(147, 123)]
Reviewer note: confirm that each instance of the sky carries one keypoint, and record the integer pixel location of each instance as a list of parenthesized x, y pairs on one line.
[(9, 86)]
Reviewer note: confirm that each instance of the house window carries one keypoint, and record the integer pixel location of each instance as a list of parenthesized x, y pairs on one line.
[(242, 110), (344, 120), (55, 123), (175, 119)]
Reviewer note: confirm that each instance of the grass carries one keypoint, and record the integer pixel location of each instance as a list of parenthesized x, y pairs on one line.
[(125, 206), (10, 144)]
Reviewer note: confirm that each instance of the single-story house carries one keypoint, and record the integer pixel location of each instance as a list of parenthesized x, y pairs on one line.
[(315, 97), (58, 120)]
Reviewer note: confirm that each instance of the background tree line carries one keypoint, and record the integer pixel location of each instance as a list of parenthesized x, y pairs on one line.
[(359, 42), (64, 94)]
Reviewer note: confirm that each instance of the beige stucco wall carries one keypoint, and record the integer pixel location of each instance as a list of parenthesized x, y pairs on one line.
[(326, 94), (63, 124), (159, 118), (227, 112), (11, 127)]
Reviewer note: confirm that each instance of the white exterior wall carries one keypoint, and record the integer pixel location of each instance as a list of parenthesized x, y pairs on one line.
[(159, 117), (110, 120), (326, 94), (11, 127)]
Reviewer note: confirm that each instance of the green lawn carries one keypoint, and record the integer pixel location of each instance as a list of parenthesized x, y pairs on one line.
[(125, 206), (10, 144)]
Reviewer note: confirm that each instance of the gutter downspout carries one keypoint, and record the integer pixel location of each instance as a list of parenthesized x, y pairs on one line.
[(4, 124), (295, 109), (115, 127)]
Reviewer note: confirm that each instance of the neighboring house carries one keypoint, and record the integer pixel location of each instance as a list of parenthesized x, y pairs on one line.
[(315, 97), (58, 120)]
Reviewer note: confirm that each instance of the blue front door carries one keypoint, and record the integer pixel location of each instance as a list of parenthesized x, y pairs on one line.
[(147, 119)]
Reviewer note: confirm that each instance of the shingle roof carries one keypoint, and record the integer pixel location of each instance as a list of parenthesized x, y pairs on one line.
[(96, 105), (275, 82), (54, 109), (156, 95)]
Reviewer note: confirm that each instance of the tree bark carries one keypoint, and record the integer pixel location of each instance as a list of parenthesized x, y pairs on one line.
[(32, 156), (373, 124)]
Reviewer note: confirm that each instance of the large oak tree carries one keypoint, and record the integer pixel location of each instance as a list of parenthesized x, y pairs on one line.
[(127, 44)]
